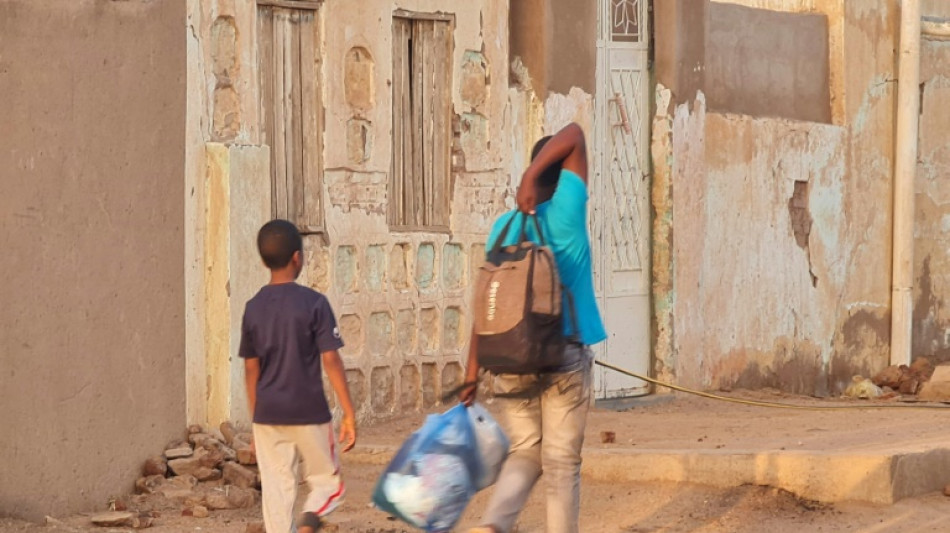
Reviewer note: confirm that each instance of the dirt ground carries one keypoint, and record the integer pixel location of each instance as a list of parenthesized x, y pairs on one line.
[(683, 423)]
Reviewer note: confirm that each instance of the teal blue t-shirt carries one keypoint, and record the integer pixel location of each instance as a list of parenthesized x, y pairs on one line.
[(563, 221)]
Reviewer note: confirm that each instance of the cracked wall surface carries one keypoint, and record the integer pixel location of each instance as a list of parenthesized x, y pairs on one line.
[(772, 236), (931, 333), (92, 327), (401, 297)]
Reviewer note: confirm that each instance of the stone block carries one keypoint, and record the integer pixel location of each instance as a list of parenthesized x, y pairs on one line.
[(938, 388), (318, 263), (241, 498), (226, 119), (228, 431), (379, 333), (405, 332), (347, 269), (358, 78), (430, 385), (399, 266), (474, 79), (238, 475), (205, 473), (113, 519), (188, 465), (194, 429), (453, 266), (356, 381), (429, 330), (177, 453), (149, 484), (224, 63), (425, 265), (451, 329), (155, 466), (410, 388), (351, 330), (218, 500), (198, 439), (383, 390), (359, 140), (375, 268)]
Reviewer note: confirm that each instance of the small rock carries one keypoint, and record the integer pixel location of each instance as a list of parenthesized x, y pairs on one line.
[(890, 376), (254, 527), (188, 465), (242, 498), (239, 476), (198, 439), (218, 500), (195, 428), (923, 368), (228, 431), (946, 490), (155, 466), (177, 443), (142, 521), (149, 484), (199, 511), (177, 453), (179, 488), (113, 519), (245, 436), (207, 474), (212, 458), (608, 437), (910, 385)]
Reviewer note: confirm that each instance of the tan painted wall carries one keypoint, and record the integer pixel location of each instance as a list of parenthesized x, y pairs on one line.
[(92, 327), (759, 286)]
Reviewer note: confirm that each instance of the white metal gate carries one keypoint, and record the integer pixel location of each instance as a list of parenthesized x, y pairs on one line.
[(620, 214)]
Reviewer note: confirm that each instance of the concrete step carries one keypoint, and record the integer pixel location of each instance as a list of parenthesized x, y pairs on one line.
[(880, 476)]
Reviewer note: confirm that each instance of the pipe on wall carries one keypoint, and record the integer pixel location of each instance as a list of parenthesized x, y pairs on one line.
[(905, 166)]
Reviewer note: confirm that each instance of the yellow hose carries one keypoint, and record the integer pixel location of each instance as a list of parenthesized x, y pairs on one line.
[(769, 404)]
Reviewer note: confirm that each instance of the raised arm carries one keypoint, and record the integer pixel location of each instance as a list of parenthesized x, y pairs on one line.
[(567, 147)]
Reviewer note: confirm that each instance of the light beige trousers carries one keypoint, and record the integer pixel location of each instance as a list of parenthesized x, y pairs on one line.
[(280, 451)]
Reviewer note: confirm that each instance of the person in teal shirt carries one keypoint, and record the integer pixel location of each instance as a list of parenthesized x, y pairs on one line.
[(545, 414)]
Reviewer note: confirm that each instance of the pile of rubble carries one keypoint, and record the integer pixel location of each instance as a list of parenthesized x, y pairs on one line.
[(894, 381), (210, 470)]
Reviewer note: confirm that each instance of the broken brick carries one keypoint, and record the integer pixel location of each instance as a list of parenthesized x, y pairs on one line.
[(155, 466), (238, 475)]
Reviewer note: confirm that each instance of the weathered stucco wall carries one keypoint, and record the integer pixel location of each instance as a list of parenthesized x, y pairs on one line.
[(401, 297), (932, 246), (773, 236), (92, 327)]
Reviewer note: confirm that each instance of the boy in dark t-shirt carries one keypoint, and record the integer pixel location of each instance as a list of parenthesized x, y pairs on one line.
[(289, 336)]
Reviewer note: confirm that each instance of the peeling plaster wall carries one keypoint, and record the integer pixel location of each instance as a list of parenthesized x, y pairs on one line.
[(772, 237), (92, 327), (932, 232), (401, 299)]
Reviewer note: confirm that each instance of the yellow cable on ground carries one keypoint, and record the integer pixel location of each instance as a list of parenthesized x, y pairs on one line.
[(769, 404)]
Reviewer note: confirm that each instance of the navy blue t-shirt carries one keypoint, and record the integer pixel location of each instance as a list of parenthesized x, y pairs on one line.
[(287, 326)]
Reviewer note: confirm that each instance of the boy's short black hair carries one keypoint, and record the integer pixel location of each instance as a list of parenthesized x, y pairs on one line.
[(550, 175), (277, 241)]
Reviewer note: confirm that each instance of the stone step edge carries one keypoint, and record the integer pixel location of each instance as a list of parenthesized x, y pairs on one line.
[(881, 477)]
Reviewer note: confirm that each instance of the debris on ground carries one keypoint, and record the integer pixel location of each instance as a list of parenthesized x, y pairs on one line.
[(905, 379), (608, 437), (862, 388)]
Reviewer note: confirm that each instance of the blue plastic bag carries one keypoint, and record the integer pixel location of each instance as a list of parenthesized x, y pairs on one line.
[(438, 469)]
